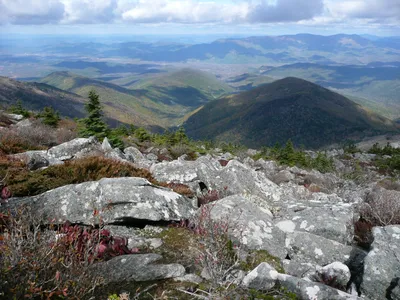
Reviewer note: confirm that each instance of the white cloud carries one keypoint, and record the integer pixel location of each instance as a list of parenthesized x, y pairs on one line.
[(185, 11), (285, 11), (317, 12), (379, 10), (89, 11), (31, 12)]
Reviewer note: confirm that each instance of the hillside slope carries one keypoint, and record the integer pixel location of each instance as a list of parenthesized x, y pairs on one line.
[(289, 108), (165, 101), (35, 96), (186, 87)]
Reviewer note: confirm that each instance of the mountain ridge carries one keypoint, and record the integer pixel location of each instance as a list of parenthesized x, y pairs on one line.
[(290, 108)]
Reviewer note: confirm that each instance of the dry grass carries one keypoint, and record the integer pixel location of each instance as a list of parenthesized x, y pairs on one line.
[(22, 182), (179, 188)]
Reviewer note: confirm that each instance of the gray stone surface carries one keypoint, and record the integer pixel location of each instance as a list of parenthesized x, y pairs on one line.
[(133, 154), (14, 117), (307, 290), (282, 176), (249, 224), (37, 159), (136, 267), (336, 274), (79, 147), (321, 214), (307, 251), (235, 178), (114, 199), (382, 264), (116, 154), (263, 278), (105, 145)]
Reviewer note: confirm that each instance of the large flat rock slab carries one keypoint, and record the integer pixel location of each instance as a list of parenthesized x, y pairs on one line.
[(110, 200)]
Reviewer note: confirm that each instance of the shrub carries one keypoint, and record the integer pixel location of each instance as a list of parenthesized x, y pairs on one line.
[(4, 120), (142, 135), (179, 150), (381, 209), (217, 253), (290, 156), (36, 136), (11, 142), (350, 147), (23, 183), (39, 134), (36, 265)]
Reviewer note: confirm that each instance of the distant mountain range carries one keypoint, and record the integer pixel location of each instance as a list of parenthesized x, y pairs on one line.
[(340, 48), (289, 108)]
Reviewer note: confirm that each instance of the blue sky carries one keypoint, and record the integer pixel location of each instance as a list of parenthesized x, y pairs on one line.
[(245, 17)]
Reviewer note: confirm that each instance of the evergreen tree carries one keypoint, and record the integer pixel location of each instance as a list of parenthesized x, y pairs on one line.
[(19, 109), (287, 154), (50, 116), (93, 124), (180, 136)]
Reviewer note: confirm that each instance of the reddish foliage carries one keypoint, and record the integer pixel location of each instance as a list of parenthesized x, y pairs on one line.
[(95, 243), (5, 193)]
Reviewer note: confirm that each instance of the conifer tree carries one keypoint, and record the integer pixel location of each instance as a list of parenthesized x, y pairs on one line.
[(93, 124), (50, 116)]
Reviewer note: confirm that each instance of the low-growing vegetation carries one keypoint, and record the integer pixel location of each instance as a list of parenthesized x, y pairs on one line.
[(290, 156), (388, 158), (22, 182), (38, 264)]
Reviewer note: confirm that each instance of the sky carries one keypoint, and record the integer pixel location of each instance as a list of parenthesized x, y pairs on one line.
[(244, 17)]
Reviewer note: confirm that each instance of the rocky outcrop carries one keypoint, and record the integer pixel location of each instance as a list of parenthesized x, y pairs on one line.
[(37, 159), (265, 277), (81, 148), (382, 265), (136, 267), (308, 251), (249, 224), (302, 218), (114, 200), (76, 148), (307, 290), (234, 178)]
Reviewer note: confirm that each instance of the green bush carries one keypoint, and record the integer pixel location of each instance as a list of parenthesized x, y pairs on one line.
[(290, 156)]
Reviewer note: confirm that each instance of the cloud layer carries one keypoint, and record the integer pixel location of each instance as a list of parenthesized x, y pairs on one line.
[(199, 11)]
